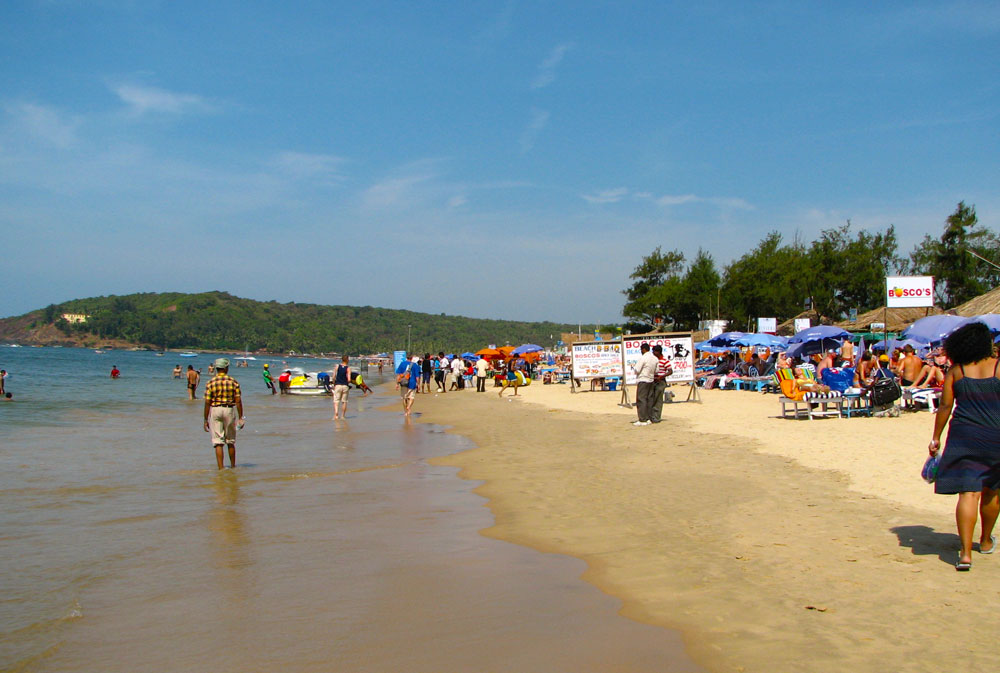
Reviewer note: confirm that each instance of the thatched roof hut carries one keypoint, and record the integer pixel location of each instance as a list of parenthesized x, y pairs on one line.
[(984, 303), (787, 328), (895, 319)]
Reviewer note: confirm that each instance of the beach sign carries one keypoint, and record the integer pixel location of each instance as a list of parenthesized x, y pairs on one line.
[(801, 324), (909, 291), (592, 360), (768, 325), (677, 347)]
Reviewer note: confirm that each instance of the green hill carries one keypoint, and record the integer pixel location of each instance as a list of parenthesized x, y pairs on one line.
[(220, 321)]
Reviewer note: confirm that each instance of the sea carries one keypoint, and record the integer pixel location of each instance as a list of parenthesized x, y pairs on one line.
[(333, 546)]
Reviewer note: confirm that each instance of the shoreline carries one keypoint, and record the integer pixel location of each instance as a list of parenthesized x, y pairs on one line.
[(768, 543)]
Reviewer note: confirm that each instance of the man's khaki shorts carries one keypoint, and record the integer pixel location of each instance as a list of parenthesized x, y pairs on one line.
[(340, 394), (407, 393), (222, 423)]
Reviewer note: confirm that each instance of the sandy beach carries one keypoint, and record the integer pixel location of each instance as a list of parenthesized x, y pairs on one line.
[(772, 545)]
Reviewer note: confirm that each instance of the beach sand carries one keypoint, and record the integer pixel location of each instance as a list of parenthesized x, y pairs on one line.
[(772, 545)]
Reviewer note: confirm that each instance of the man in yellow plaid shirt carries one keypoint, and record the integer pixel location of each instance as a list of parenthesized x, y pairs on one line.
[(223, 411)]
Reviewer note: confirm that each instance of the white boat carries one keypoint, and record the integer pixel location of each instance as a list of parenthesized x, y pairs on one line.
[(189, 354), (306, 383)]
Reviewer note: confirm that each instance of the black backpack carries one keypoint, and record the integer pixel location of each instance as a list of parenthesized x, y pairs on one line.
[(885, 391)]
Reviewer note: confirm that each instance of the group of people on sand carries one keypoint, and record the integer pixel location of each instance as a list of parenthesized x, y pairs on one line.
[(967, 370), (415, 374)]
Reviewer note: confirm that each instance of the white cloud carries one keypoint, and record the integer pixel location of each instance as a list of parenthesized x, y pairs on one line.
[(671, 200), (45, 123), (143, 99), (606, 196), (457, 201), (547, 69), (303, 166), (539, 119)]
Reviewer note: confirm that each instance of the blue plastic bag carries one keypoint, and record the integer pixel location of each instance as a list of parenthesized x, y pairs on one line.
[(929, 471)]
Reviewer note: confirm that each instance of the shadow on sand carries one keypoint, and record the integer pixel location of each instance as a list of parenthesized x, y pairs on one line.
[(925, 541)]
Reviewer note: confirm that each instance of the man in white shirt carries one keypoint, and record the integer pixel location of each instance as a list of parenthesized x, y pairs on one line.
[(457, 365), (482, 367), (645, 372), (445, 372)]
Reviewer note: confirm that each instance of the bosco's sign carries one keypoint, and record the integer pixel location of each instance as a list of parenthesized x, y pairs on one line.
[(908, 291)]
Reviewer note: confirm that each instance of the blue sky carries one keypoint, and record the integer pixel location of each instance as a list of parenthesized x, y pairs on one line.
[(511, 160)]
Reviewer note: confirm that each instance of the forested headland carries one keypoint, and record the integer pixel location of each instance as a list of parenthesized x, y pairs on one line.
[(221, 321)]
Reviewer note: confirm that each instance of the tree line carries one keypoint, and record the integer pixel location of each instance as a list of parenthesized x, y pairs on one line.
[(220, 321), (841, 270)]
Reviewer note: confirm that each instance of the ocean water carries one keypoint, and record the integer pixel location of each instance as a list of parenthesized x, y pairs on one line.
[(334, 546)]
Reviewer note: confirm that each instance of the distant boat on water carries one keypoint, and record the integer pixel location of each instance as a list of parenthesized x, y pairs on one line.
[(188, 355)]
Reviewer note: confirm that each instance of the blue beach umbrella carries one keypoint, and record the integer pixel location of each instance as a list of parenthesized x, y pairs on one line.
[(816, 340), (726, 338), (991, 320), (934, 328), (469, 356), (763, 339), (707, 347), (527, 348)]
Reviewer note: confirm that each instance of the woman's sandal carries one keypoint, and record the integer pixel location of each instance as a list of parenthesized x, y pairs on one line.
[(963, 566), (993, 539)]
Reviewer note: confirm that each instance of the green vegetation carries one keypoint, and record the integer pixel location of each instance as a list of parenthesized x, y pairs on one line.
[(839, 271), (220, 321)]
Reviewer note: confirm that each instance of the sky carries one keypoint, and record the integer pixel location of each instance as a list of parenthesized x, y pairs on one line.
[(511, 160)]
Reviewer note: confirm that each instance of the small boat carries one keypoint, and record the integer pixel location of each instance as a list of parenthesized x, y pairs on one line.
[(188, 354), (99, 351), (306, 383)]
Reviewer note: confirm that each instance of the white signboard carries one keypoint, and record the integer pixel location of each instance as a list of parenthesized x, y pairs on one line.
[(801, 324), (769, 325), (678, 348), (906, 291), (595, 360)]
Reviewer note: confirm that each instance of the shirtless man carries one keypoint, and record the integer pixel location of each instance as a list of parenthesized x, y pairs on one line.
[(909, 367), (177, 372), (193, 377), (827, 362), (847, 353)]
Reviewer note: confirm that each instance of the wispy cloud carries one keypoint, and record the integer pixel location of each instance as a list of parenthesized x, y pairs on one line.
[(606, 196), (547, 69), (667, 200), (309, 166), (44, 123), (676, 199), (539, 119), (145, 99), (457, 201)]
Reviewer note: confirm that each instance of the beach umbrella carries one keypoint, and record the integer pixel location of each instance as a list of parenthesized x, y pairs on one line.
[(991, 320), (488, 353), (819, 332), (900, 343), (527, 348), (726, 338), (707, 347), (763, 339), (816, 340), (934, 328), (469, 356)]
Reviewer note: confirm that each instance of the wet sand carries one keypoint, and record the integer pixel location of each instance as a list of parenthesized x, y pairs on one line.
[(334, 546), (773, 545)]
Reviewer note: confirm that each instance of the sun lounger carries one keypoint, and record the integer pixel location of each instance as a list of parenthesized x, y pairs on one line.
[(808, 404), (921, 398)]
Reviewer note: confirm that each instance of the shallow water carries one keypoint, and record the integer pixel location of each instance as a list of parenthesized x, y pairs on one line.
[(332, 546)]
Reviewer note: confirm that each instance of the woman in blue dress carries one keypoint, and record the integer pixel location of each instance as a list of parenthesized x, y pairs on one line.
[(970, 463)]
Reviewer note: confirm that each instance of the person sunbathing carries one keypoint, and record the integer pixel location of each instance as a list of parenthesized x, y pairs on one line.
[(930, 376)]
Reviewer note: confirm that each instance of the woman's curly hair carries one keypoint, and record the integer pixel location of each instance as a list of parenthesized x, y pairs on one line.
[(969, 343)]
